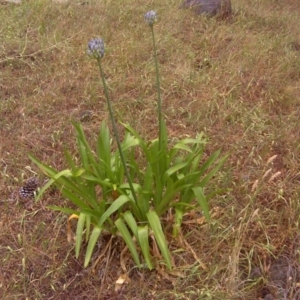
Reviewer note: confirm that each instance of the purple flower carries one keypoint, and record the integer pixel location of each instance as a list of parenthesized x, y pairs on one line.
[(150, 17), (96, 48)]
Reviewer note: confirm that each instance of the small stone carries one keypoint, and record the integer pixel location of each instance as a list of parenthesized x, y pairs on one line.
[(209, 7)]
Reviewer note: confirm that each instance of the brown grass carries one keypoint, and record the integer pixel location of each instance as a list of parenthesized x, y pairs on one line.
[(236, 80)]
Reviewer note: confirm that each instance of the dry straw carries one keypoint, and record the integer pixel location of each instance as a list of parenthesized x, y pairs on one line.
[(271, 159), (274, 176)]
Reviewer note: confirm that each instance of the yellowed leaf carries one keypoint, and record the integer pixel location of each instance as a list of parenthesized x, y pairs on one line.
[(69, 229)]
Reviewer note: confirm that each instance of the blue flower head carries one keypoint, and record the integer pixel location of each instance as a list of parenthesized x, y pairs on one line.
[(96, 48), (150, 17)]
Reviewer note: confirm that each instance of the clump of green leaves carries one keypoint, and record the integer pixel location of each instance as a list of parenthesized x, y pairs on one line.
[(116, 192)]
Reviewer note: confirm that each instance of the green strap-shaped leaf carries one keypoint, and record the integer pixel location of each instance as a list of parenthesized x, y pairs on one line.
[(136, 187), (87, 227), (62, 179), (88, 159), (168, 198), (87, 156), (79, 230), (205, 180), (143, 238), (195, 163), (147, 191), (103, 148), (73, 198), (198, 140), (148, 177), (128, 217), (118, 203), (51, 181), (102, 182), (178, 221), (96, 214), (91, 245), (198, 191), (181, 146), (65, 210), (160, 237), (210, 161), (139, 138), (128, 240), (130, 142), (174, 169)]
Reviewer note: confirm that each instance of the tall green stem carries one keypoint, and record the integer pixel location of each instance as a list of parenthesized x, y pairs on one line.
[(158, 91), (116, 130)]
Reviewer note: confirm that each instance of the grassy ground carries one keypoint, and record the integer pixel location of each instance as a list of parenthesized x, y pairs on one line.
[(236, 80)]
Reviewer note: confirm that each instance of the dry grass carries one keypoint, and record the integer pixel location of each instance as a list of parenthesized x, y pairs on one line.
[(236, 80)]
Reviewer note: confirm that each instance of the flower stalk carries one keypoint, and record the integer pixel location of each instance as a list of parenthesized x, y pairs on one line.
[(159, 108), (150, 19), (96, 49)]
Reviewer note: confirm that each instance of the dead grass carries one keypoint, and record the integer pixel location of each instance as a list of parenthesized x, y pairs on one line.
[(236, 80)]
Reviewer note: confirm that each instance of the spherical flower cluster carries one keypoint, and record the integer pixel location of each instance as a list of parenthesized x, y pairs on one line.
[(150, 17), (96, 48)]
